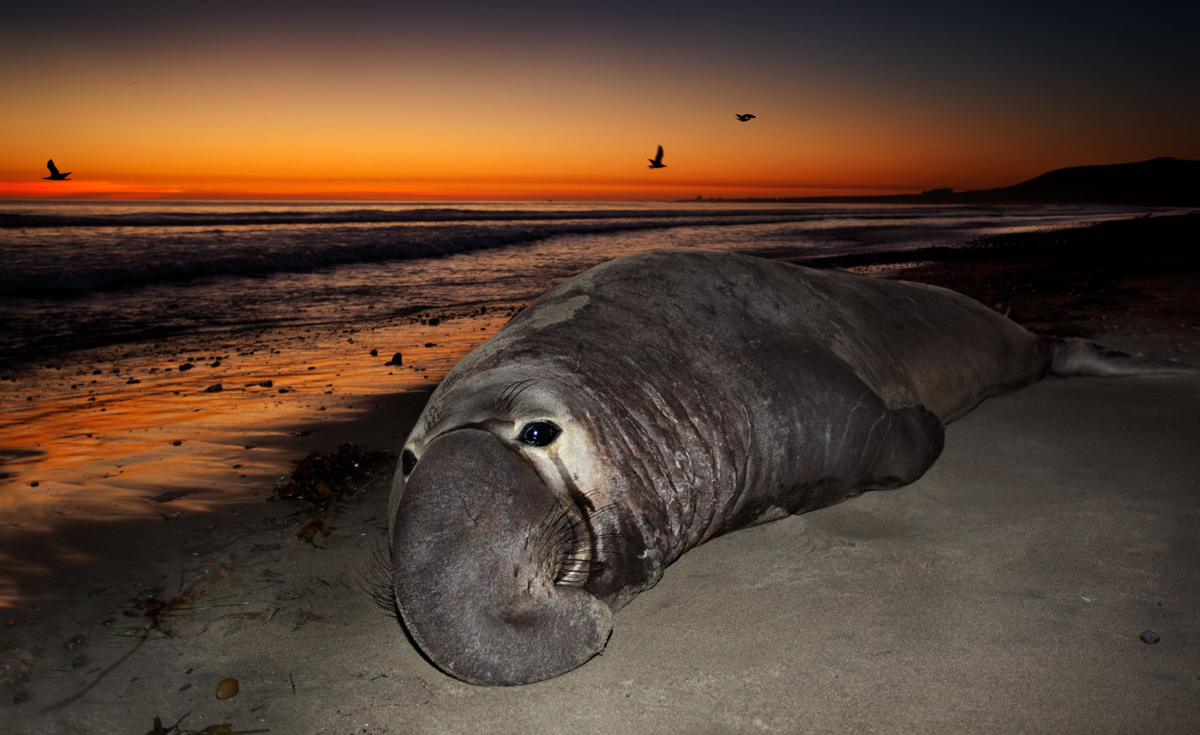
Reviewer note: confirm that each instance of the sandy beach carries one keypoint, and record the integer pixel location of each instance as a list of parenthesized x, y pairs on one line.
[(1006, 590)]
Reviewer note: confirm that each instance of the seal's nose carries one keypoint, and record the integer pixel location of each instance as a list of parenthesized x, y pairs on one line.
[(473, 567)]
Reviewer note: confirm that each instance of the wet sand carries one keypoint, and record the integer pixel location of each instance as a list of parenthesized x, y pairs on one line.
[(1004, 591), (116, 439)]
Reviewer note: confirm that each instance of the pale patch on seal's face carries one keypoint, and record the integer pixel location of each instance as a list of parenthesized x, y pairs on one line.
[(490, 540)]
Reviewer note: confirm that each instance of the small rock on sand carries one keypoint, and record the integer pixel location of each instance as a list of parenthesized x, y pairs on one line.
[(75, 642), (227, 689)]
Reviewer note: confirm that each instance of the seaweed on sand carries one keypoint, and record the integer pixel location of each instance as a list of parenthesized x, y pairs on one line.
[(320, 479)]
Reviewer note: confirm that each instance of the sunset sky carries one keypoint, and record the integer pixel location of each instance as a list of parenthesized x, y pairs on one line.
[(532, 100)]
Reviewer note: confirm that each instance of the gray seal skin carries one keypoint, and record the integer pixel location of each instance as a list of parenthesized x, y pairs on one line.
[(657, 401)]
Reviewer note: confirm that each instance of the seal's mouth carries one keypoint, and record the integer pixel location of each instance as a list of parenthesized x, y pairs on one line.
[(487, 565)]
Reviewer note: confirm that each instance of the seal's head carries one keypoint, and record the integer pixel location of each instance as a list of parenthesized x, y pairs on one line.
[(490, 540)]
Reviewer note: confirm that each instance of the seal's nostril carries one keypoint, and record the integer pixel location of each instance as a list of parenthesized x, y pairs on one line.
[(408, 461)]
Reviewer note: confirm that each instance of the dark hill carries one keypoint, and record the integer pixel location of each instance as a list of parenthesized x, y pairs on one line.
[(1161, 181)]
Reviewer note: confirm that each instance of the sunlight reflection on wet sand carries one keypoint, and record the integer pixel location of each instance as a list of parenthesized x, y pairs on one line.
[(140, 438)]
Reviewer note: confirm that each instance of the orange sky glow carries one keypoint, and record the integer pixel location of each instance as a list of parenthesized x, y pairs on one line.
[(207, 107)]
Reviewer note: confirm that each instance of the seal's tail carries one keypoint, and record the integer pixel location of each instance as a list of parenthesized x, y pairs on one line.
[(1073, 356)]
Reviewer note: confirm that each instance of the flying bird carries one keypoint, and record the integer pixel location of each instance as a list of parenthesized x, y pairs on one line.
[(744, 118), (656, 162), (54, 174)]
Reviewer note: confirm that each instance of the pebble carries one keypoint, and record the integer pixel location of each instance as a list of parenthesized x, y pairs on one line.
[(176, 443), (227, 689), (78, 641), (186, 366), (374, 353), (149, 593), (1150, 637), (214, 388)]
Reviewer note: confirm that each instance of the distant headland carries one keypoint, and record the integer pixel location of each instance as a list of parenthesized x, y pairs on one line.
[(1162, 182)]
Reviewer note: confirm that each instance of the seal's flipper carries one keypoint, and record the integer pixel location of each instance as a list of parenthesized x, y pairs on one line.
[(1073, 356), (911, 441)]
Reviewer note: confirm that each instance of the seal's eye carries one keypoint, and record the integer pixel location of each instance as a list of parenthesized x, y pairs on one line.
[(408, 461), (538, 433)]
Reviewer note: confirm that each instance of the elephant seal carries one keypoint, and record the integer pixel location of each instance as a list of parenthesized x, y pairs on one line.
[(657, 401)]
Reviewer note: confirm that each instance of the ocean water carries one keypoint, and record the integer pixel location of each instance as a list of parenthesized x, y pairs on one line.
[(85, 275)]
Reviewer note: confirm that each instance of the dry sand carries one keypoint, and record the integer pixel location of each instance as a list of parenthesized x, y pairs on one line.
[(1005, 591)]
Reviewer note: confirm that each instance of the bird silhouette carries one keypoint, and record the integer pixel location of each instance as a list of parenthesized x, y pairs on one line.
[(54, 174), (743, 118), (656, 162)]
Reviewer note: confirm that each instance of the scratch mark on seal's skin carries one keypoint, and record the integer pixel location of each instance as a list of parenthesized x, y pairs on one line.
[(849, 423), (873, 445), (474, 517)]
